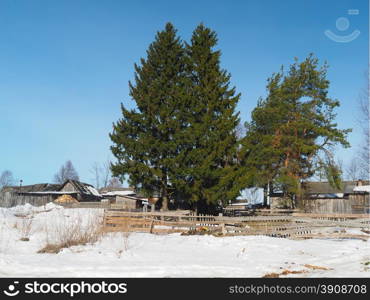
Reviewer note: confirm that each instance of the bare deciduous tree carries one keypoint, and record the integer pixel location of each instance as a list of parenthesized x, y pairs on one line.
[(364, 157), (102, 174), (353, 170), (66, 171), (6, 178), (95, 170), (114, 182)]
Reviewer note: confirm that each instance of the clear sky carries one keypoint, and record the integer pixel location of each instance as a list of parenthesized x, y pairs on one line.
[(65, 66)]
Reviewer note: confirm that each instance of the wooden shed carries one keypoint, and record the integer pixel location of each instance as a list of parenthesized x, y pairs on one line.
[(321, 197), (360, 199), (126, 198)]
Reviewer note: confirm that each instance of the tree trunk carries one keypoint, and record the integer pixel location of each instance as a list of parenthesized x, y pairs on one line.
[(164, 194), (165, 203), (299, 195), (200, 207)]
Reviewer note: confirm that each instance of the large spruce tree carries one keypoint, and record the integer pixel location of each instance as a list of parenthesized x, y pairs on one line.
[(146, 140), (293, 131), (208, 163)]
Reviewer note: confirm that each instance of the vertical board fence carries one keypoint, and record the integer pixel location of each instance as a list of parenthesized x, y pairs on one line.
[(10, 199)]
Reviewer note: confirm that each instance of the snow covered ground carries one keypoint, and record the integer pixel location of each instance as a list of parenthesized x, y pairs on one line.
[(146, 255)]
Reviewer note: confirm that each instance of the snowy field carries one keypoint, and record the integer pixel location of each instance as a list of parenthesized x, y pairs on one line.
[(146, 255)]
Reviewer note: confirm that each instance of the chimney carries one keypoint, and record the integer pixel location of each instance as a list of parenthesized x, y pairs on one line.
[(359, 182)]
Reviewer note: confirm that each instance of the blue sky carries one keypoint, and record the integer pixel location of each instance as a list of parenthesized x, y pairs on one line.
[(65, 66)]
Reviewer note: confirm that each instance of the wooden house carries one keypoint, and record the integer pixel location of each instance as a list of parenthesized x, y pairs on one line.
[(126, 198), (80, 191), (40, 194), (360, 199), (321, 197)]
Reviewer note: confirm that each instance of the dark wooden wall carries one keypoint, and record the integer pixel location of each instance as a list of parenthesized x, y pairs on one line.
[(10, 199), (353, 204), (360, 203)]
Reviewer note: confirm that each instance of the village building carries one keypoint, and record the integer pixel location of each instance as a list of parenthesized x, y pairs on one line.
[(126, 198), (321, 198), (40, 194)]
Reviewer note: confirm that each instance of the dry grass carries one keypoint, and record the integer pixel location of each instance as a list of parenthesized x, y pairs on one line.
[(68, 233), (312, 267), (122, 233), (284, 273), (25, 227), (271, 275), (125, 235), (126, 241), (287, 272)]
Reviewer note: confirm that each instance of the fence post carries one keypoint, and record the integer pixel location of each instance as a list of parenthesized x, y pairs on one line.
[(223, 229)]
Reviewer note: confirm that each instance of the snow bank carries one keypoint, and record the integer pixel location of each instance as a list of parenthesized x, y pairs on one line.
[(147, 255), (28, 209)]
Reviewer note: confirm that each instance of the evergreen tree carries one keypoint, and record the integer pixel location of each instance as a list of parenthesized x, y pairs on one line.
[(208, 163), (293, 130), (146, 140)]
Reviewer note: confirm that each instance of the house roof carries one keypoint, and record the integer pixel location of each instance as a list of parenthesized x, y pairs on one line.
[(81, 187), (40, 187), (119, 193), (123, 191), (115, 189)]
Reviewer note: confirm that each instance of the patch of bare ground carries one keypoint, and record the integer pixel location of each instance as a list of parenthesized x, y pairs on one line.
[(284, 273), (312, 267), (288, 272)]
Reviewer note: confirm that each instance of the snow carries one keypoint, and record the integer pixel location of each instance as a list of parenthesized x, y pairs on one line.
[(147, 255), (362, 188), (26, 209), (253, 195), (93, 190), (330, 195), (119, 193)]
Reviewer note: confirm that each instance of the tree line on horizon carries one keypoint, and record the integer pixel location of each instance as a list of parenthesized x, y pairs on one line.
[(181, 142)]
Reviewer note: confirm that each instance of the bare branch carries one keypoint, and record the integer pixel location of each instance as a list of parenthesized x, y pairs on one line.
[(6, 178), (66, 171)]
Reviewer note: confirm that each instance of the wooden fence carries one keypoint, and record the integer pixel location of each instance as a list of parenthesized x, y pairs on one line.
[(301, 226)]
